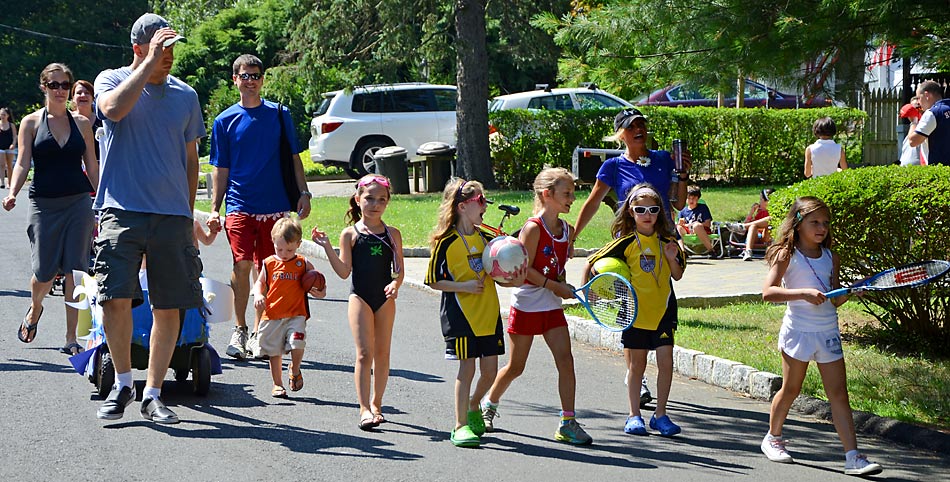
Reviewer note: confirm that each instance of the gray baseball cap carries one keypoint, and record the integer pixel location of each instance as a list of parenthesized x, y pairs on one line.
[(145, 27)]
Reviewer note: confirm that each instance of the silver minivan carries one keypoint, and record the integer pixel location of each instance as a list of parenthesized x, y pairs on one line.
[(349, 127)]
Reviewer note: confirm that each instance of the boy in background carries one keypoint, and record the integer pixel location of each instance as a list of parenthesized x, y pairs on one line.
[(695, 218)]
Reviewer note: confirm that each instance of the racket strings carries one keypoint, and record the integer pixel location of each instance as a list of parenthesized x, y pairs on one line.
[(913, 274), (612, 303)]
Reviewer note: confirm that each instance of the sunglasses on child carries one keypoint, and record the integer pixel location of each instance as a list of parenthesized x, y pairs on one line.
[(246, 76), (646, 209), (480, 199), (58, 85), (382, 181)]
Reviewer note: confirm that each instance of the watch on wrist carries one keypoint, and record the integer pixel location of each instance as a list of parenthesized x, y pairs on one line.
[(306, 193)]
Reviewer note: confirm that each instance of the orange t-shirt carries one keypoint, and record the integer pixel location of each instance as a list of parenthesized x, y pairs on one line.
[(285, 295)]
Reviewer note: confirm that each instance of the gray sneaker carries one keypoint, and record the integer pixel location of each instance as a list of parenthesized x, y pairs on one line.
[(254, 347), (488, 416), (572, 433), (237, 347)]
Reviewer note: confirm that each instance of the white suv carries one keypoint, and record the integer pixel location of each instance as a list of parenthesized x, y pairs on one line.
[(575, 98), (349, 127)]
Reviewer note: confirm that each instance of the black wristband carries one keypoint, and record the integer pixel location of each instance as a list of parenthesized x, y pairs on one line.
[(543, 285)]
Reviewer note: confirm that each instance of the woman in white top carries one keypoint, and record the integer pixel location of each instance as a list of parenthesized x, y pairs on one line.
[(825, 156)]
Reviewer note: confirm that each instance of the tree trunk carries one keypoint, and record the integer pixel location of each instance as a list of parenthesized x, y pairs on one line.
[(471, 114)]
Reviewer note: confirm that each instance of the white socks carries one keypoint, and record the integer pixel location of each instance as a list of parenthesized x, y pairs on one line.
[(123, 380), (151, 392)]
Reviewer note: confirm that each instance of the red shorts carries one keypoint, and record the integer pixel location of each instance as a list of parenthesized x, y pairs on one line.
[(693, 231), (249, 237), (530, 323)]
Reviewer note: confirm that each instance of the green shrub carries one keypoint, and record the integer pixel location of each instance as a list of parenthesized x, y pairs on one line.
[(736, 144), (884, 217)]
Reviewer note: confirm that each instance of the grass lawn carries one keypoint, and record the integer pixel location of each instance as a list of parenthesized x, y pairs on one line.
[(416, 214), (905, 388)]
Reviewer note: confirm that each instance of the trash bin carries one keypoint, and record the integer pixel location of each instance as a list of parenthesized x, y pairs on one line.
[(391, 162), (439, 158)]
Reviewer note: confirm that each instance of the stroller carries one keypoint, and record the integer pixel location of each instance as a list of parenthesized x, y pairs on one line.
[(193, 354)]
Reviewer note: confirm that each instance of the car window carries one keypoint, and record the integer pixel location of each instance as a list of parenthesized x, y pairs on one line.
[(368, 102), (684, 92), (324, 105), (413, 100), (753, 91), (588, 100), (551, 102), (495, 105), (445, 100)]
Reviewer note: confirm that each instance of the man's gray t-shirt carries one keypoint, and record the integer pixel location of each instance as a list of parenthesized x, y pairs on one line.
[(144, 159)]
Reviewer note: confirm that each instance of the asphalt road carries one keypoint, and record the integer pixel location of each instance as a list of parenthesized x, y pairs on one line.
[(238, 432)]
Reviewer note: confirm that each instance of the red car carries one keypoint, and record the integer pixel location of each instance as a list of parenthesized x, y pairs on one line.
[(756, 95)]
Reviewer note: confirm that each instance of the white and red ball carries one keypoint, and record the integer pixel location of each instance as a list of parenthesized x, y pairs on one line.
[(503, 257)]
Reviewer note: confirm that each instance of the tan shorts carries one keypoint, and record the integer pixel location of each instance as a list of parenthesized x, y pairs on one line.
[(277, 337)]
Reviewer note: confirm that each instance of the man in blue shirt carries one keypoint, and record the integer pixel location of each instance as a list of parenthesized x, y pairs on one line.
[(934, 125), (245, 153), (148, 178)]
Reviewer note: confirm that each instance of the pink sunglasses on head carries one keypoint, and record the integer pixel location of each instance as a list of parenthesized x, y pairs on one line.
[(382, 181)]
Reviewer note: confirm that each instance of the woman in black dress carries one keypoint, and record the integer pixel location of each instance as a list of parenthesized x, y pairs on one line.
[(65, 171)]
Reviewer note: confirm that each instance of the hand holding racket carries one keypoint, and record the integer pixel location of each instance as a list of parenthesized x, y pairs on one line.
[(907, 276), (610, 300)]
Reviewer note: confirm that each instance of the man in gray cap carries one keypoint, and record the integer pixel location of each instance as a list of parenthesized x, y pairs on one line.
[(148, 179)]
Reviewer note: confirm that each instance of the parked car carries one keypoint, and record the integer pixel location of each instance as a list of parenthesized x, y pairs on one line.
[(349, 127), (756, 95), (588, 97)]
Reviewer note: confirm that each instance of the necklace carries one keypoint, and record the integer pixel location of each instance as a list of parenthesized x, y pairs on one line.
[(824, 287), (557, 262), (360, 225), (655, 269), (476, 262)]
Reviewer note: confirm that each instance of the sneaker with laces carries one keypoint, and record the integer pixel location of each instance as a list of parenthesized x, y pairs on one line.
[(746, 255), (114, 406), (254, 347), (571, 432), (860, 465), (464, 437), (774, 449), (489, 412), (645, 396), (237, 347), (475, 422), (635, 426), (664, 425)]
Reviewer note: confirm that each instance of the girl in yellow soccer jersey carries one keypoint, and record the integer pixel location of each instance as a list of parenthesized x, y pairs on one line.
[(471, 319), (645, 241)]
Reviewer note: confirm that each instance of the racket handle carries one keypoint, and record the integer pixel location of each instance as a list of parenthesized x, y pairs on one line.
[(837, 292)]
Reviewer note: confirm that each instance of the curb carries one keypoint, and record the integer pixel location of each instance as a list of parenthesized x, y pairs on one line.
[(713, 370)]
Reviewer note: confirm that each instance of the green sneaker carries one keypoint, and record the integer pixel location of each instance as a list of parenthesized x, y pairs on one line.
[(464, 437), (476, 423), (571, 432)]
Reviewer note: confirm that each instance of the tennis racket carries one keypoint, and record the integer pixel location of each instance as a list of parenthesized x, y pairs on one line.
[(610, 300), (907, 276)]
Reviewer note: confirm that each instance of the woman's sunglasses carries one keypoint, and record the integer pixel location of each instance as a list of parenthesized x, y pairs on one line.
[(58, 85), (646, 209), (382, 181), (246, 76)]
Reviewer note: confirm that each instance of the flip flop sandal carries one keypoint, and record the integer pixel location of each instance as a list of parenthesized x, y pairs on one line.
[(368, 423), (296, 382), (278, 392), (72, 349), (30, 327), (378, 418)]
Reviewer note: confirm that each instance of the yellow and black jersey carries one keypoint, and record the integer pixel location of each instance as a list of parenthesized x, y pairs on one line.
[(650, 273), (464, 314)]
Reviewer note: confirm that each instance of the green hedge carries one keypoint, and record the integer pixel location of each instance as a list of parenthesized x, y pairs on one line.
[(765, 145), (883, 217)]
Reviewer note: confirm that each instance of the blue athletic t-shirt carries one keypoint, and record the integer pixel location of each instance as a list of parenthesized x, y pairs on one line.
[(699, 215), (247, 143), (144, 158), (621, 174)]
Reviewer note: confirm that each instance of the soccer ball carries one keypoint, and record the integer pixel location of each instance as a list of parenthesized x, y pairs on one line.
[(612, 265), (313, 279), (504, 256)]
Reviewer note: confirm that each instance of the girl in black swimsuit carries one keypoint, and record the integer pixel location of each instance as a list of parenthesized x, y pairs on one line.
[(372, 252)]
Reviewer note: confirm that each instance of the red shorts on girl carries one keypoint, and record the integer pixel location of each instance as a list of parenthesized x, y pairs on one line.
[(530, 323)]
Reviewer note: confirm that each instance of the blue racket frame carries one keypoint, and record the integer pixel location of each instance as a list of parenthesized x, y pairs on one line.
[(583, 296), (935, 269)]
